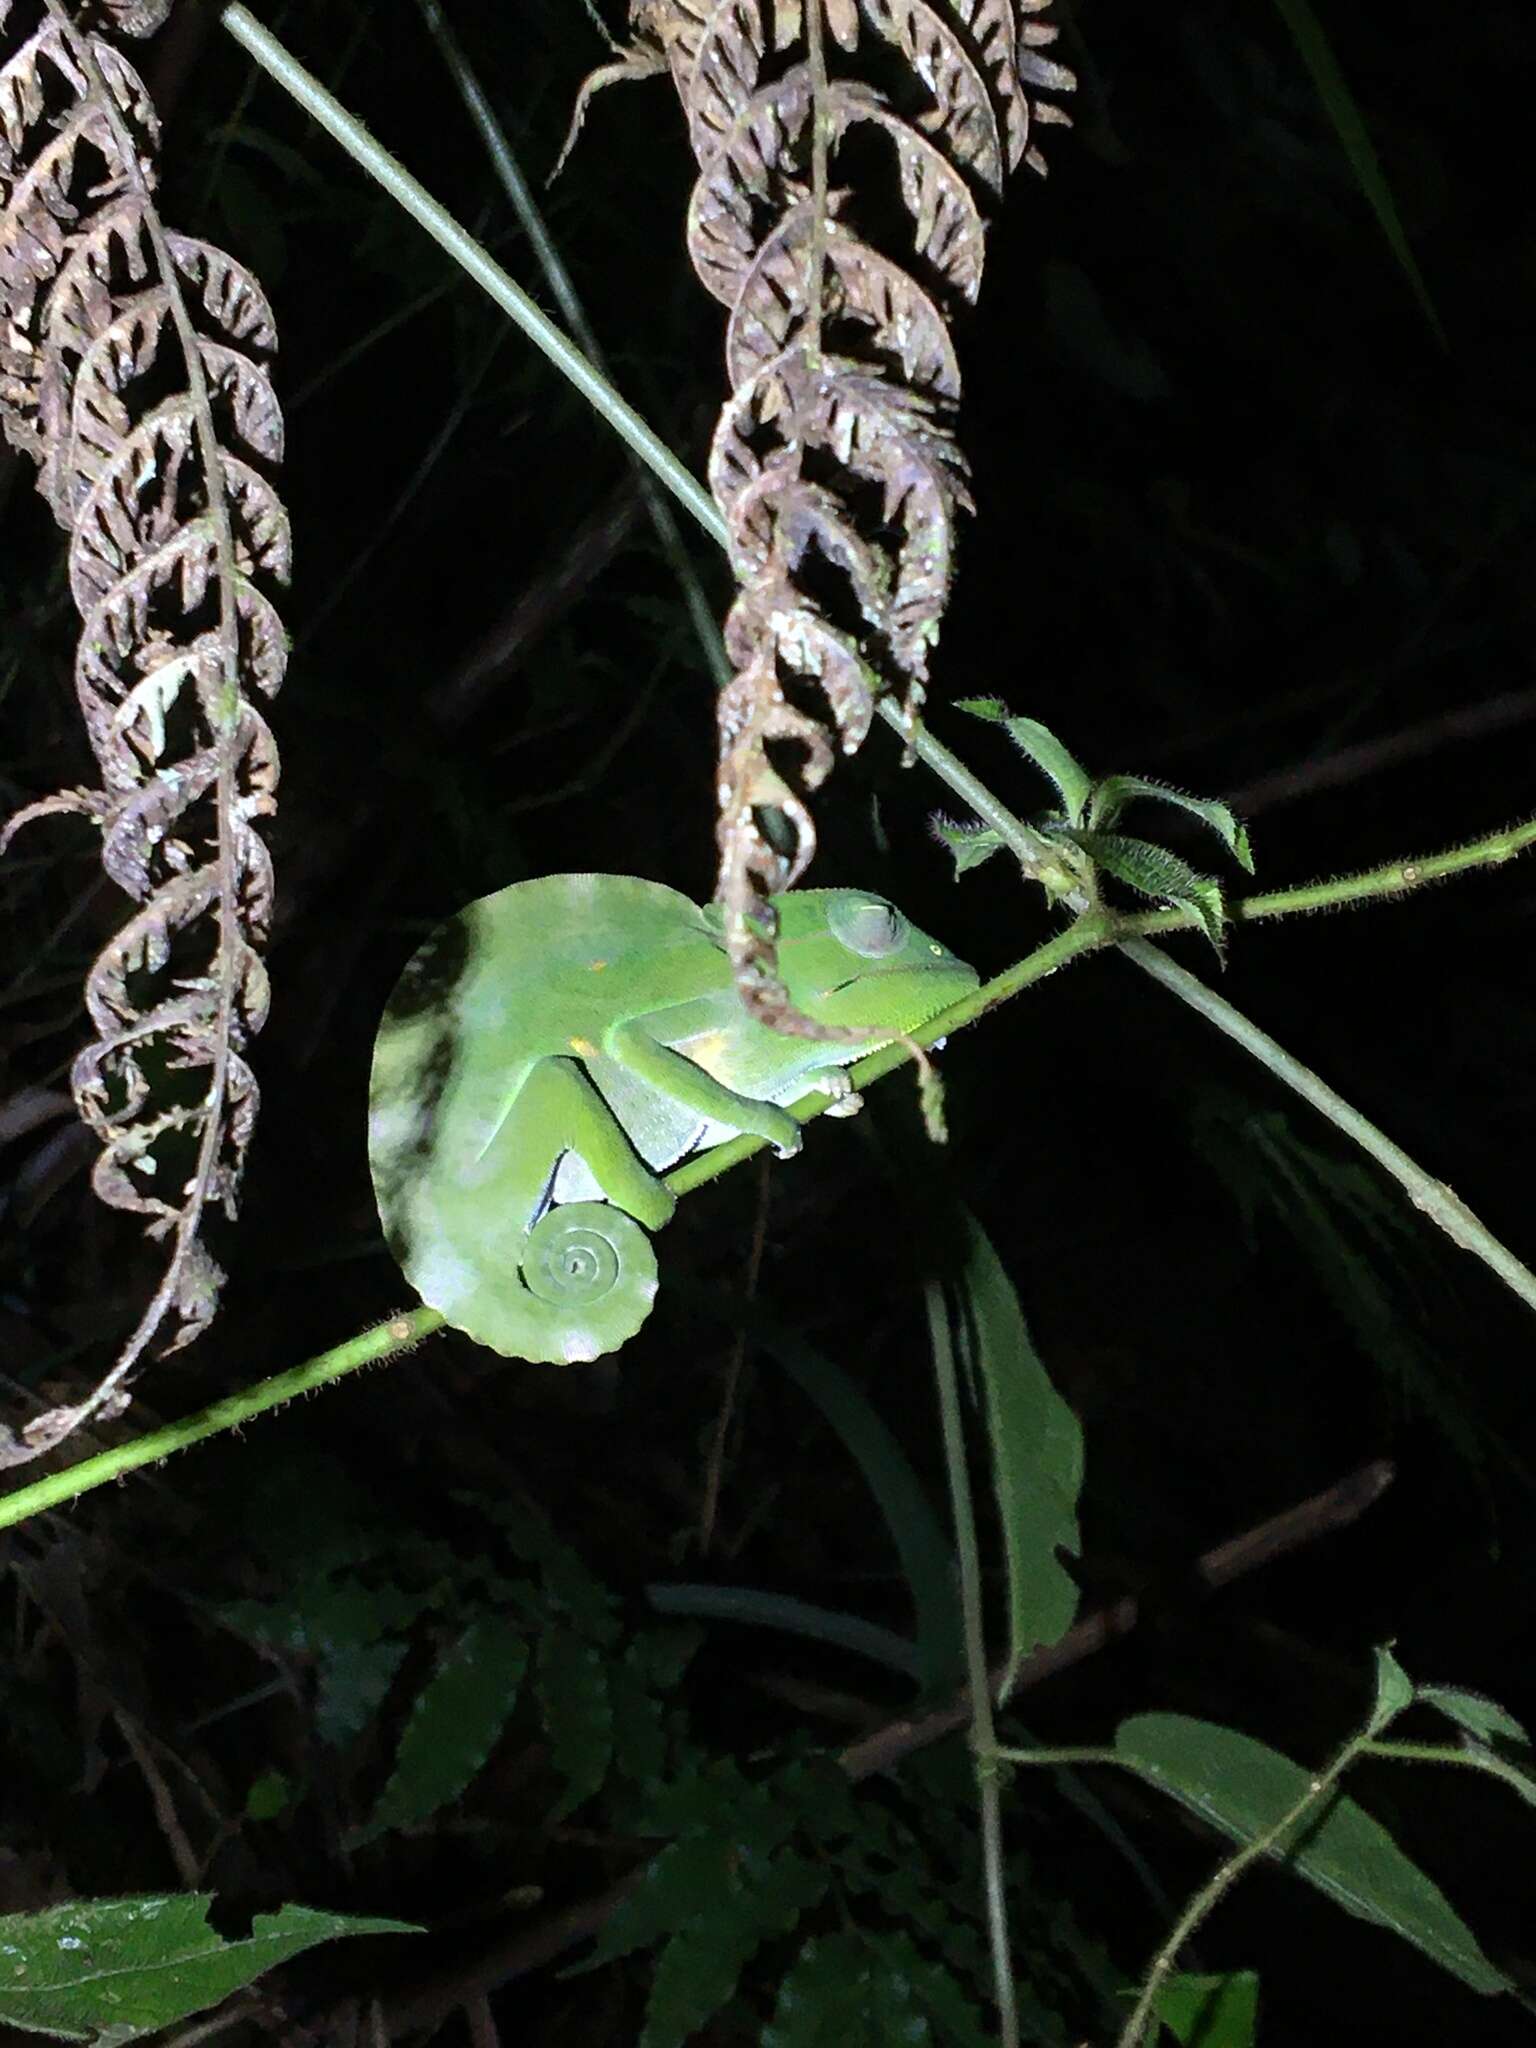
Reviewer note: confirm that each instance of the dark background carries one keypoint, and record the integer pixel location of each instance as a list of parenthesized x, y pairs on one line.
[(1244, 524)]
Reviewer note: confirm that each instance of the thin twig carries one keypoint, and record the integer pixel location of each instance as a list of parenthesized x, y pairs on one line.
[(558, 278), (189, 1867), (983, 1727), (1431, 1197), (1203, 1904)]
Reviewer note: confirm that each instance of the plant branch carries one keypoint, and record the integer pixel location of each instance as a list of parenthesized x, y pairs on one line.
[(558, 278), (983, 1727), (400, 1333), (1393, 879), (323, 108), (1210, 1894), (1431, 1197)]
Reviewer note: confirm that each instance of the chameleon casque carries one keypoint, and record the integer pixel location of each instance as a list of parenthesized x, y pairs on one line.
[(554, 1048)]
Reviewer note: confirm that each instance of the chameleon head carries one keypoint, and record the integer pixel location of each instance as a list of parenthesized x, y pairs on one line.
[(850, 957)]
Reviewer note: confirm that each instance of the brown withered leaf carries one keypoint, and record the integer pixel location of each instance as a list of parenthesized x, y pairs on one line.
[(140, 387), (842, 373)]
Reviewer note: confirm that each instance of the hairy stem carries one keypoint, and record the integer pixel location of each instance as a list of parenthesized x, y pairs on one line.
[(400, 1333), (1210, 1894)]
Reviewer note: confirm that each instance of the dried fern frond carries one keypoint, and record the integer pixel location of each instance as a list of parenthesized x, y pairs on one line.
[(133, 370), (835, 462)]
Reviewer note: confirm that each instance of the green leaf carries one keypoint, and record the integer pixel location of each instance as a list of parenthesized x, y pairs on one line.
[(1481, 1717), (969, 844), (567, 1580), (455, 1724), (711, 1899), (1156, 872), (1111, 796), (1037, 1454), (759, 1608), (867, 1990), (270, 1794), (1394, 1691), (1211, 2012), (1073, 783), (107, 1971), (1243, 1787), (1349, 124), (573, 1695), (700, 1967)]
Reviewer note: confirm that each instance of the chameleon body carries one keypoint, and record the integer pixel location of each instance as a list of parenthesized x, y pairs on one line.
[(557, 1046)]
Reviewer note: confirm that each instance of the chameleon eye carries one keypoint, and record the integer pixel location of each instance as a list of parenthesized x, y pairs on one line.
[(868, 927)]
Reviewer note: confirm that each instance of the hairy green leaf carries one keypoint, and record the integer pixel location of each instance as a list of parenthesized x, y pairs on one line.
[(1394, 1690), (108, 1971), (1243, 1787), (1211, 2012), (1484, 1718), (1111, 796), (458, 1717), (1072, 781), (1156, 872), (573, 1696), (970, 845)]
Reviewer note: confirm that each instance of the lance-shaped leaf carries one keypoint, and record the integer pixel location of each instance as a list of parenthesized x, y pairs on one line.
[(1072, 781), (1155, 872), (1036, 1447), (1244, 1788), (455, 1723), (1111, 796)]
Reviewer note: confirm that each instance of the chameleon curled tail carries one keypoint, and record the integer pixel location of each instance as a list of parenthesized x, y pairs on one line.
[(578, 1285)]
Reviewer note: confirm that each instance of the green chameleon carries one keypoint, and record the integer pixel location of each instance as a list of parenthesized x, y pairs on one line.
[(570, 1038)]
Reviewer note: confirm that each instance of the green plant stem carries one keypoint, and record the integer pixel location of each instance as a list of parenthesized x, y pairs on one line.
[(414, 198), (1424, 1753), (400, 1333), (1431, 1197), (1210, 1895), (1071, 1756), (983, 1729), (507, 168), (1395, 878)]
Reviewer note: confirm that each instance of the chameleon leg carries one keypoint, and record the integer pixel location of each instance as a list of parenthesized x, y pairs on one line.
[(558, 1102), (567, 1284), (673, 1075)]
